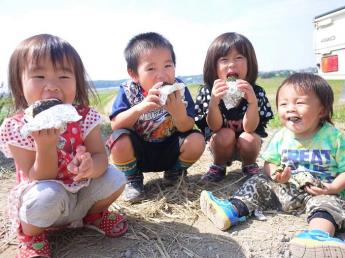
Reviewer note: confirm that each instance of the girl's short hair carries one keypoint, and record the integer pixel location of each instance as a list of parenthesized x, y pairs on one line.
[(220, 47), (34, 49), (143, 42), (308, 82)]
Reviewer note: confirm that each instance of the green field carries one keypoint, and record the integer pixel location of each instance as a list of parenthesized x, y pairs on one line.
[(270, 85)]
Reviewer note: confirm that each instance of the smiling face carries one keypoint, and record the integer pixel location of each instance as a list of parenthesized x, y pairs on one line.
[(44, 81), (154, 65), (299, 111), (233, 64)]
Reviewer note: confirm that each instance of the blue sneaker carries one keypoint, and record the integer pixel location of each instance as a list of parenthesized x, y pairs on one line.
[(316, 243), (221, 212)]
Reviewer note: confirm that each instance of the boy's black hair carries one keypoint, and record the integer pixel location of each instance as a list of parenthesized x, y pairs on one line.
[(308, 82), (220, 47), (142, 42)]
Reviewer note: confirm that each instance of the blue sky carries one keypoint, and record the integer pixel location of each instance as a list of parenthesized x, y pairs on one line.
[(280, 31)]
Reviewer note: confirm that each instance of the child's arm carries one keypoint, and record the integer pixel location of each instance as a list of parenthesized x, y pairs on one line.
[(92, 157), (330, 188), (42, 164), (176, 108), (127, 119), (251, 118), (214, 117)]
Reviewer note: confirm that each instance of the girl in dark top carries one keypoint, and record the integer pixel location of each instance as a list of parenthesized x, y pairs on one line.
[(234, 133)]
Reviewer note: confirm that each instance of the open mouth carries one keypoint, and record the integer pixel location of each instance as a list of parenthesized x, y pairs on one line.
[(228, 75), (294, 119), (51, 98)]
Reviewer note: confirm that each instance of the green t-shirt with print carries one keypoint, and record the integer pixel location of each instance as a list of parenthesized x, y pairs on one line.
[(323, 155)]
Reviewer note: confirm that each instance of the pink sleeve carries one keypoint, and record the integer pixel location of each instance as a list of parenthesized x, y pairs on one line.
[(10, 135), (92, 119)]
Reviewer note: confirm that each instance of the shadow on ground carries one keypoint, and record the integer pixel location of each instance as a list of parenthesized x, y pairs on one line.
[(145, 239)]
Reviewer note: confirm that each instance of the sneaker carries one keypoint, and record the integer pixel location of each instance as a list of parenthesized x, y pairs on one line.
[(33, 246), (134, 190), (250, 170), (222, 213), (316, 243), (214, 174), (173, 175)]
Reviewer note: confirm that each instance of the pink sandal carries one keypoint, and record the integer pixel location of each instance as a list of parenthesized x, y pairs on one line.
[(109, 221), (33, 246)]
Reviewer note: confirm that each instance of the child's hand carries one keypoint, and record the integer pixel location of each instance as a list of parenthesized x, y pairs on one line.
[(151, 101), (174, 104), (46, 137), (218, 90), (248, 90), (326, 190), (283, 177), (82, 164)]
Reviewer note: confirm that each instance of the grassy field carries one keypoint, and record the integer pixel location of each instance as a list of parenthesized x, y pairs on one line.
[(104, 97), (270, 85)]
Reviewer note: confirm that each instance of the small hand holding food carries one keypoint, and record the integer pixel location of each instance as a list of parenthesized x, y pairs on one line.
[(174, 104), (219, 89), (327, 188), (151, 101), (46, 137), (248, 91)]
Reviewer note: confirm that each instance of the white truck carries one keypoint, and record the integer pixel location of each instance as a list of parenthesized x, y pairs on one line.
[(329, 44)]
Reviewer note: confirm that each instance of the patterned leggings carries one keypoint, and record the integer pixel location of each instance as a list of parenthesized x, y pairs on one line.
[(262, 193)]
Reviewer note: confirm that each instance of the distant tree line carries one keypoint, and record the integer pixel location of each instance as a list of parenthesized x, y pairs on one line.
[(285, 73), (197, 79)]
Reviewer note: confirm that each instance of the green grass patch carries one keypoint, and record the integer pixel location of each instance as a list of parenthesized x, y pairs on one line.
[(104, 97), (4, 107), (269, 84)]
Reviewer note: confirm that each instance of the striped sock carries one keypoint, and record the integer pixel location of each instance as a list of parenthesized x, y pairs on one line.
[(129, 168)]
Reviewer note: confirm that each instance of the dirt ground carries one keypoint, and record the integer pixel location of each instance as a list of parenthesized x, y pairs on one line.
[(169, 224)]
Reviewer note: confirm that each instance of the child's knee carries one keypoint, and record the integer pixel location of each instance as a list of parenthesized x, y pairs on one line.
[(122, 148), (194, 144), (43, 204), (110, 182), (224, 137), (249, 141)]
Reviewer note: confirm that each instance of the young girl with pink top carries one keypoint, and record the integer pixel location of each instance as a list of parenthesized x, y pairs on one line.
[(63, 177)]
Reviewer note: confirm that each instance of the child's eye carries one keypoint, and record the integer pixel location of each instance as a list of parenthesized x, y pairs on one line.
[(150, 69), (300, 102), (168, 65), (282, 104), (64, 77), (38, 76)]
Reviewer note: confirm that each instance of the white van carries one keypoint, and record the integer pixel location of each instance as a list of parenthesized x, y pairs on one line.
[(329, 44)]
